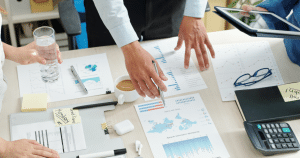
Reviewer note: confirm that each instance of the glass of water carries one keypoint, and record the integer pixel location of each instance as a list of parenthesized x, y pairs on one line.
[(46, 46)]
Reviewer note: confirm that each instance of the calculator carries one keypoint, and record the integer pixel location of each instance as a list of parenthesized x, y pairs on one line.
[(272, 138)]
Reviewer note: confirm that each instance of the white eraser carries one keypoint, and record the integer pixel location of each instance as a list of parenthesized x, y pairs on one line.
[(123, 127)]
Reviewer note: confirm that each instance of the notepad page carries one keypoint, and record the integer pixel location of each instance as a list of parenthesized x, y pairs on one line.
[(62, 139), (234, 60)]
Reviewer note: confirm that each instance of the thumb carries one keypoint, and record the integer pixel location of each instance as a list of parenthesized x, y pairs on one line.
[(179, 42)]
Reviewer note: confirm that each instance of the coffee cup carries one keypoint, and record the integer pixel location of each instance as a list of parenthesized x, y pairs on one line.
[(124, 90)]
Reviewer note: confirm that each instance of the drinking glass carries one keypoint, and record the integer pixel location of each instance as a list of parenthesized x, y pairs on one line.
[(46, 46)]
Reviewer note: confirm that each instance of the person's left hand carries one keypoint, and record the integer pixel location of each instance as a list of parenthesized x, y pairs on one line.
[(28, 54), (192, 31)]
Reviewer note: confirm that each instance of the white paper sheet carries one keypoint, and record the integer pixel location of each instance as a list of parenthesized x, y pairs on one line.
[(180, 80), (62, 139), (67, 87), (234, 60), (184, 129)]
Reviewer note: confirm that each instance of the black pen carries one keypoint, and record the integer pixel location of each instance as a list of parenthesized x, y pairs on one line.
[(96, 105)]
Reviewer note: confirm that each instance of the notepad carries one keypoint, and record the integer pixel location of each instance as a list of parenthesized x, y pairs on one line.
[(66, 116), (34, 102), (290, 92)]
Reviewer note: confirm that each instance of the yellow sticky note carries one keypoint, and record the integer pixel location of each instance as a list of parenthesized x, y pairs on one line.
[(34, 102), (66, 116), (290, 92)]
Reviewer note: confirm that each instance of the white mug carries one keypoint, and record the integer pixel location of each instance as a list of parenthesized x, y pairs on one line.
[(125, 96)]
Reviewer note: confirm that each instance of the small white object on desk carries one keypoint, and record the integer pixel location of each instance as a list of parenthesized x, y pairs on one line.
[(123, 127), (138, 147)]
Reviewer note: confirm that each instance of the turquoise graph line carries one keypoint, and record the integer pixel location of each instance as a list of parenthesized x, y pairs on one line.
[(176, 85), (163, 59)]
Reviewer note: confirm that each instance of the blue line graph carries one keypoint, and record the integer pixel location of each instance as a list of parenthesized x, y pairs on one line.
[(176, 85), (163, 59), (201, 147)]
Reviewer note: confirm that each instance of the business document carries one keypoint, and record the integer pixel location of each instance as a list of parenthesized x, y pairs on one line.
[(183, 129), (234, 60), (180, 80), (93, 70), (62, 139)]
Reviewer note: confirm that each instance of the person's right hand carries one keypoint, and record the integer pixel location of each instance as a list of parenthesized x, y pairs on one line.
[(25, 148), (141, 70), (248, 8)]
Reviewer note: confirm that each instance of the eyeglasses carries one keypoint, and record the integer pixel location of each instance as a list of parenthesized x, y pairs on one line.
[(248, 80)]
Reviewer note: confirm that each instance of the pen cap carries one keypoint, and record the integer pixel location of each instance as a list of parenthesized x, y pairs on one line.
[(123, 127), (120, 151)]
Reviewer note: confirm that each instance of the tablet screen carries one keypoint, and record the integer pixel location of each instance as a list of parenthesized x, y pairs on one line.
[(261, 20)]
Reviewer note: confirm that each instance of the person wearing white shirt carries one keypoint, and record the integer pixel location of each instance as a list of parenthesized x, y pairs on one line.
[(24, 55), (126, 22)]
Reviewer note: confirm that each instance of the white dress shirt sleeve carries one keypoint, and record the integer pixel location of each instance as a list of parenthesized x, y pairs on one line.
[(195, 8), (115, 17)]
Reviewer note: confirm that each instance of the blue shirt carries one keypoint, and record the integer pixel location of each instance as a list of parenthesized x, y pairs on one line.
[(115, 17), (282, 8)]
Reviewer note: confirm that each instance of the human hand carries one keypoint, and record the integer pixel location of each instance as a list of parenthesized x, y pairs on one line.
[(25, 148), (28, 54), (248, 8), (141, 70), (192, 31)]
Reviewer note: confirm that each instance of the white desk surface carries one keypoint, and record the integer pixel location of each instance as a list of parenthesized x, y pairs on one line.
[(225, 115)]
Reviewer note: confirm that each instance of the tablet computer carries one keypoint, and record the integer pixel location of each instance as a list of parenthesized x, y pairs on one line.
[(259, 24)]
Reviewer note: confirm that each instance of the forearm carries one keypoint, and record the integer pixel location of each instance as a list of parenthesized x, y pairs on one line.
[(2, 146), (116, 19), (279, 7), (9, 51)]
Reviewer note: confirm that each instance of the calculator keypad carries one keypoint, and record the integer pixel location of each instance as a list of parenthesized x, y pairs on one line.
[(278, 136)]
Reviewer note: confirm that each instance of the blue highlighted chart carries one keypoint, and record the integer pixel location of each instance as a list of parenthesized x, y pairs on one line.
[(94, 79), (91, 67), (197, 147)]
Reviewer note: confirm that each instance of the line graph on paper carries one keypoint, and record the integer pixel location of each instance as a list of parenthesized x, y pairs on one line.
[(245, 58), (180, 80)]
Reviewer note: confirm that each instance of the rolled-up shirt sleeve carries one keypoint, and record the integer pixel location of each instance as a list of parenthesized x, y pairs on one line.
[(115, 17), (195, 8)]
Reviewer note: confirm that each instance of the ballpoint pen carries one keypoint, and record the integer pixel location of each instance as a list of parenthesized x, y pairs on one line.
[(96, 105), (160, 91), (78, 78)]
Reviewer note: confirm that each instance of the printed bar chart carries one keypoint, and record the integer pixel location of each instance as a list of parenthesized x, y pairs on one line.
[(197, 147), (151, 106)]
